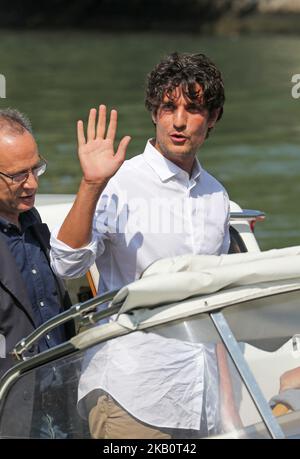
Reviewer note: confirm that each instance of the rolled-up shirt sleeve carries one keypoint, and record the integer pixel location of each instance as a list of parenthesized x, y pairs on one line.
[(68, 262)]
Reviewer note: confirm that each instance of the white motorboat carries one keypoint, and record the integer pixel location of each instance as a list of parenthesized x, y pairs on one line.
[(243, 307)]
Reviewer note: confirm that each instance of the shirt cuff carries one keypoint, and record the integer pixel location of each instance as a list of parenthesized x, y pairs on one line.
[(57, 244), (68, 262)]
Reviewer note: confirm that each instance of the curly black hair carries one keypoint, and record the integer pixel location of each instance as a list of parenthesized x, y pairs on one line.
[(186, 70)]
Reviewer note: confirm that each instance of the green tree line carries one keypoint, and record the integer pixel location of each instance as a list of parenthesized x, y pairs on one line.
[(112, 14)]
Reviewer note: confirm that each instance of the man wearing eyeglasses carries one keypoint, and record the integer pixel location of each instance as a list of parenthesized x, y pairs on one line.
[(30, 294)]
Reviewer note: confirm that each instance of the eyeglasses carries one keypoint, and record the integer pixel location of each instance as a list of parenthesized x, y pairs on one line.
[(37, 170)]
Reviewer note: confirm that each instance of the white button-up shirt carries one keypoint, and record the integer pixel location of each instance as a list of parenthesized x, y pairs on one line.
[(149, 210)]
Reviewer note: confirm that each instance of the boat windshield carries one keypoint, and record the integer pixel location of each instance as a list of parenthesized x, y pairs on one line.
[(177, 376)]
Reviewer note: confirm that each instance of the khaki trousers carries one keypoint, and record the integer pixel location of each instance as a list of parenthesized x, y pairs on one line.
[(108, 420)]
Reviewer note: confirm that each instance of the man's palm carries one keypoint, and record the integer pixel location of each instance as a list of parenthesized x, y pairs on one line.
[(98, 160)]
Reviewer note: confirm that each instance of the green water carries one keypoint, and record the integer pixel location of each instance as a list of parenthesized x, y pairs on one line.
[(56, 77)]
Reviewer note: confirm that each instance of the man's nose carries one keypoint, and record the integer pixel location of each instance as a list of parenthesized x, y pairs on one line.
[(180, 119), (31, 181)]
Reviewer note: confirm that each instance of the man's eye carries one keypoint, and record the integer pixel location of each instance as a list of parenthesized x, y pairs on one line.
[(167, 106), (20, 177), (195, 109)]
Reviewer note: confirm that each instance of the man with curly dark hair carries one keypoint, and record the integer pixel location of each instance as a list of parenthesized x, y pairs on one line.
[(186, 71), (129, 214), (194, 82)]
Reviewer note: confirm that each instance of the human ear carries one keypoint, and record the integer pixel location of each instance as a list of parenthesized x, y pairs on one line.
[(153, 116)]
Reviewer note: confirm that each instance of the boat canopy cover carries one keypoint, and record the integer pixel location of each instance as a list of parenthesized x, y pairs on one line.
[(175, 279), (184, 286)]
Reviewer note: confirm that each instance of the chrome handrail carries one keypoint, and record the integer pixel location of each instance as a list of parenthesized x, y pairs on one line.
[(78, 310)]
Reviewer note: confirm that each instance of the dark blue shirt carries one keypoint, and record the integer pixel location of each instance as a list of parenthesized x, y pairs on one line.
[(37, 274)]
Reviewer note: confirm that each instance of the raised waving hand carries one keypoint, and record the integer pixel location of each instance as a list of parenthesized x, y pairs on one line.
[(99, 162)]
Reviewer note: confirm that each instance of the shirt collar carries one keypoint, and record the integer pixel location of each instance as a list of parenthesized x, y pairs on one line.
[(26, 219), (4, 223), (165, 168)]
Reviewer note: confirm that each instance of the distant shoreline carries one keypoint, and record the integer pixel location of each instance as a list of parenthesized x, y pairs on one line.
[(264, 23), (226, 24), (157, 16)]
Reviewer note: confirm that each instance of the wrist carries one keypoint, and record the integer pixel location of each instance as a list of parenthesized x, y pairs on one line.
[(100, 183)]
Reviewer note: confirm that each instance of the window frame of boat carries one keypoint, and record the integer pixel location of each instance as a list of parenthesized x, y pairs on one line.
[(246, 374)]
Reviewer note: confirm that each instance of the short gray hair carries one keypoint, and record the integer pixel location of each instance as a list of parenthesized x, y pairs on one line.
[(15, 121)]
